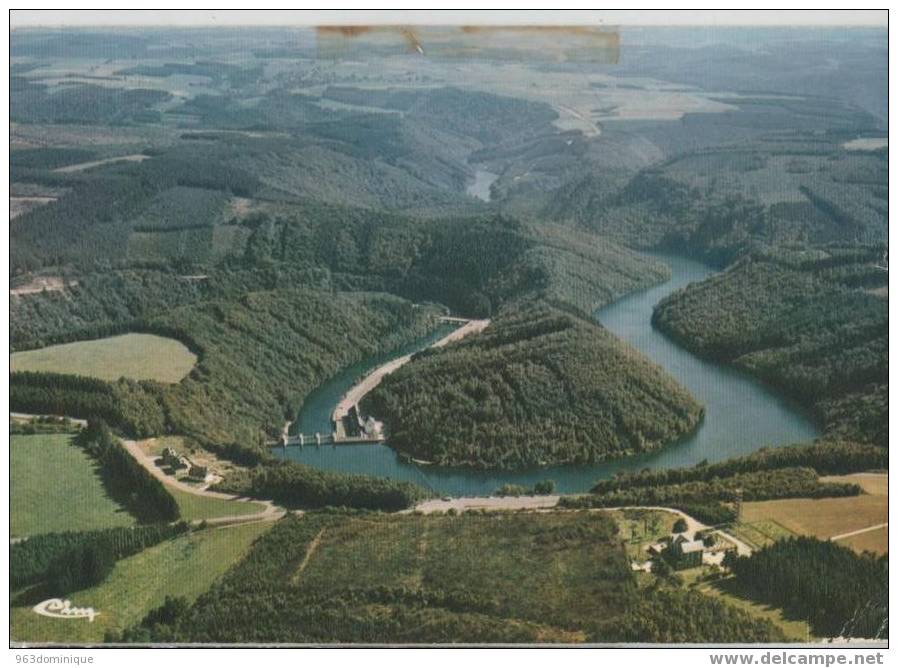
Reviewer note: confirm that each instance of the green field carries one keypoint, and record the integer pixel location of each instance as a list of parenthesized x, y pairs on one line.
[(195, 507), (138, 356), (185, 566), (54, 486), (760, 533)]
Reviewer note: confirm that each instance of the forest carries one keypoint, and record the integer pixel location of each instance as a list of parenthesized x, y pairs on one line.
[(704, 495), (299, 486), (839, 592), (799, 321), (539, 386), (346, 604), (286, 213), (825, 457)]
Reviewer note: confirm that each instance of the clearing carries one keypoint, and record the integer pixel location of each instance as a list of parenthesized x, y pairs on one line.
[(138, 356), (21, 205), (49, 475), (42, 284), (184, 566), (825, 518)]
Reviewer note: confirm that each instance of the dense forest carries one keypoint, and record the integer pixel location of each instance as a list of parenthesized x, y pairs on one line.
[(540, 386), (247, 604), (300, 486), (839, 592), (803, 321)]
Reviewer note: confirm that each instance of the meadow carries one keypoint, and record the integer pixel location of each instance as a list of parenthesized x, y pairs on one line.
[(137, 356), (55, 486), (185, 566)]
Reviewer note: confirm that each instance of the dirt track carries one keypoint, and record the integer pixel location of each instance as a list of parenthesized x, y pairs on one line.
[(271, 512)]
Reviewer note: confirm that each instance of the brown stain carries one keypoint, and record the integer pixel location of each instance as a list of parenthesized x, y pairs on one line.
[(602, 41)]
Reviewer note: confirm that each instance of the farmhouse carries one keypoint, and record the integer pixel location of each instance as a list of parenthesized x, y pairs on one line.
[(684, 553)]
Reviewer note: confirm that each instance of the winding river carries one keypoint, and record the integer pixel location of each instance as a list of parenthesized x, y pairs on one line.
[(741, 414)]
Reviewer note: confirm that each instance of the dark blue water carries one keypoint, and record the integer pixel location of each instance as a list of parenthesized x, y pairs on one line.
[(741, 414)]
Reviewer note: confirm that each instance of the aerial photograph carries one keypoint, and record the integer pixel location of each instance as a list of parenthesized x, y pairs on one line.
[(514, 332)]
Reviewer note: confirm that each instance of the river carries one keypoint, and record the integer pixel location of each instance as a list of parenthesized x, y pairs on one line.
[(741, 414)]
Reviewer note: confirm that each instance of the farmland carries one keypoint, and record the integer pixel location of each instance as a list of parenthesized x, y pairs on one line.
[(54, 486), (825, 518), (137, 356)]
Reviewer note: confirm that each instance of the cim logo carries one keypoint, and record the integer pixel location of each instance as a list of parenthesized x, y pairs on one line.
[(56, 607)]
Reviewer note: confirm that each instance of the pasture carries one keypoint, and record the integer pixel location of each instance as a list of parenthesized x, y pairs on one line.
[(185, 566), (54, 486), (137, 356)]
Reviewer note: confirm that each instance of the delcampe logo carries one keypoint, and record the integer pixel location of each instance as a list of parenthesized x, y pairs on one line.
[(56, 607)]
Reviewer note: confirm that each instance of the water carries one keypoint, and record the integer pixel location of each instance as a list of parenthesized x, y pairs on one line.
[(480, 188), (741, 414)]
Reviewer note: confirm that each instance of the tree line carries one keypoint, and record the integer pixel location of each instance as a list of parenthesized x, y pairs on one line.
[(127, 481), (72, 560), (825, 457)]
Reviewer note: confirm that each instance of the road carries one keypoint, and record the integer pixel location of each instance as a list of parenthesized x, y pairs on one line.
[(551, 501), (29, 416), (860, 531), (373, 379), (271, 511)]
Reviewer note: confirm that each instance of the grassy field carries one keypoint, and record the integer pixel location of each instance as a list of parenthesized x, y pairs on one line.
[(54, 486), (185, 566), (825, 518), (760, 533), (139, 356), (195, 507)]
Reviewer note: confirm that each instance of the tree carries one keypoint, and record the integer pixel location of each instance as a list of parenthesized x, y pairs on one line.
[(661, 568), (680, 525), (544, 487)]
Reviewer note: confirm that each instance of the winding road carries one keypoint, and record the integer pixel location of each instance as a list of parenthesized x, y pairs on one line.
[(271, 511)]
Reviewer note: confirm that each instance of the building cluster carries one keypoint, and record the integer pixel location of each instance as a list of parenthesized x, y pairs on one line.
[(682, 552), (177, 462)]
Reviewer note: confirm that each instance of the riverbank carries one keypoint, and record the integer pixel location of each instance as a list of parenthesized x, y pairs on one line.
[(374, 377), (742, 415)]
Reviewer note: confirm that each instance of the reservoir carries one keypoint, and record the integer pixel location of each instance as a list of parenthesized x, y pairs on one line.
[(741, 414), (480, 188)]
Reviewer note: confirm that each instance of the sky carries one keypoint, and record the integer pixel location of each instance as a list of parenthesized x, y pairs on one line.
[(212, 18)]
